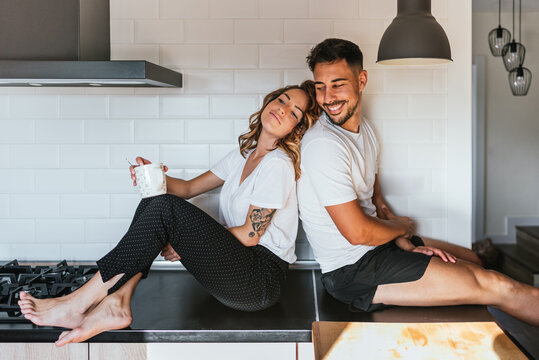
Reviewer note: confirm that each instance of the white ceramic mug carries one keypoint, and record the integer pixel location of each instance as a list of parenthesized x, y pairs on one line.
[(151, 180)]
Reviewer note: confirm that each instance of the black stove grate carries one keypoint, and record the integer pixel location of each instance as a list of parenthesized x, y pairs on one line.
[(39, 281)]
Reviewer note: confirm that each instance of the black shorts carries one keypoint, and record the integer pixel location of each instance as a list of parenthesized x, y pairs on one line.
[(356, 284)]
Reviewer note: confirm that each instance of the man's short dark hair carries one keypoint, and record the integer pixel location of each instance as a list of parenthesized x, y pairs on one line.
[(331, 50)]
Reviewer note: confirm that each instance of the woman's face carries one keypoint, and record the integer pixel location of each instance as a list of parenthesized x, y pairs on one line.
[(282, 115)]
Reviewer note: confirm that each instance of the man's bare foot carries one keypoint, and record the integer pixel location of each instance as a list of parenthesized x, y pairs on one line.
[(113, 313), (61, 312)]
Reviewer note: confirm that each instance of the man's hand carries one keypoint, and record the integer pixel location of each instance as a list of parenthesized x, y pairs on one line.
[(403, 221), (169, 253), (407, 245)]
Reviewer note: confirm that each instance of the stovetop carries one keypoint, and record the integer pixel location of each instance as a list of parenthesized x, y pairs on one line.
[(39, 281)]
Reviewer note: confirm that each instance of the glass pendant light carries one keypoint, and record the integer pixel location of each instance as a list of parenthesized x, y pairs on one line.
[(513, 54), (414, 37), (499, 37), (520, 80)]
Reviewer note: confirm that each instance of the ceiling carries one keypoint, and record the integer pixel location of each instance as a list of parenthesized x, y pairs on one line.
[(507, 5)]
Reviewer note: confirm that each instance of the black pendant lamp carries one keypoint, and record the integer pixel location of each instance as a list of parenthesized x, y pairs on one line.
[(414, 37), (520, 78), (513, 54), (499, 37)]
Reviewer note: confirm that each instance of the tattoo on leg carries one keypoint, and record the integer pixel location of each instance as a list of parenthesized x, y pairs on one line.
[(260, 220)]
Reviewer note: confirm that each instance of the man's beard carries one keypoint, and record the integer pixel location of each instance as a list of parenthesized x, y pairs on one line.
[(346, 117)]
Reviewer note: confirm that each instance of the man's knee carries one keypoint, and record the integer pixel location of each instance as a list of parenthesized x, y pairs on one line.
[(494, 285)]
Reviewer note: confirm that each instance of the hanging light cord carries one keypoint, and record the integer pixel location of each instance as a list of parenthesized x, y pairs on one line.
[(513, 20), (500, 12), (519, 21)]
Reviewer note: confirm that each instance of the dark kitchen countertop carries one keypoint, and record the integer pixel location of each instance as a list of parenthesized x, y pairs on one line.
[(170, 306)]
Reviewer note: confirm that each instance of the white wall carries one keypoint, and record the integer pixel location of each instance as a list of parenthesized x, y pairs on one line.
[(65, 191), (512, 130)]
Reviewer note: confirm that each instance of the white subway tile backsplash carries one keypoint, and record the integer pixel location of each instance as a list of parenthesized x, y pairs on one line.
[(4, 106), (183, 9), (133, 52), (5, 156), (188, 174), (83, 107), (4, 205), (408, 131), (209, 31), (427, 157), (119, 153), (397, 203), (217, 152), (296, 77), (185, 106), (404, 181), (85, 206), (59, 131), (185, 156), (257, 81), (159, 131), (122, 31), (209, 82), (35, 252), (258, 31), (380, 9), (83, 252), (17, 131), (17, 181), (209, 131), (394, 156), (16, 231), (134, 107), (284, 9), (362, 32), (233, 9), (34, 156), (185, 56), (158, 31), (108, 131), (306, 31), (5, 252), (439, 181), (427, 205), (287, 56), (108, 181), (59, 181), (439, 228), (106, 230), (124, 205), (35, 206), (408, 81), (233, 106), (440, 82), (84, 156), (54, 231), (426, 106), (127, 9), (375, 82), (240, 127), (233, 56), (336, 9), (32, 106), (384, 106), (440, 130)]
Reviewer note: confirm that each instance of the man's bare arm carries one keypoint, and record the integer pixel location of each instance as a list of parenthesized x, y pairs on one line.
[(359, 228), (383, 211)]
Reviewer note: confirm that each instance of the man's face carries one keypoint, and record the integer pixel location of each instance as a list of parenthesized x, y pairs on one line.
[(338, 90)]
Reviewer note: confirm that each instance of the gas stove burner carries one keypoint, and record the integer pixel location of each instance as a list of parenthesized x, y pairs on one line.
[(39, 281)]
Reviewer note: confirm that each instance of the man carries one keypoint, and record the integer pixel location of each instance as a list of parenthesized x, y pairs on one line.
[(369, 257)]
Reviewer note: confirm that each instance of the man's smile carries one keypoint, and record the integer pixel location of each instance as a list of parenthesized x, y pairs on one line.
[(335, 108)]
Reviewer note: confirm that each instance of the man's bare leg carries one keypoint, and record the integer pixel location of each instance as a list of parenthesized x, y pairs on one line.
[(459, 251), (113, 313), (464, 283), (66, 311)]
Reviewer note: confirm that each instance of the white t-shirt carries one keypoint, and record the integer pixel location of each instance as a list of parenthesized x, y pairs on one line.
[(270, 185), (337, 166)]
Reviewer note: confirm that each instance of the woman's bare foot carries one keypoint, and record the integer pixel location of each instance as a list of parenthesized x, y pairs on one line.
[(67, 311), (113, 313)]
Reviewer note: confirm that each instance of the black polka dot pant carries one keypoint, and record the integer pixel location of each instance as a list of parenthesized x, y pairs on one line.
[(243, 278)]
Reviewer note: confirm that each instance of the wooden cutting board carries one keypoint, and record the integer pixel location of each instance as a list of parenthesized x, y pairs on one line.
[(455, 340)]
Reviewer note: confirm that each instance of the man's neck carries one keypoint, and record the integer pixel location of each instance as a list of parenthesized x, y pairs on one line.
[(352, 124)]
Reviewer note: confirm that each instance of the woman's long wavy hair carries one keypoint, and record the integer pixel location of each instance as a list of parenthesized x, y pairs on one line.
[(290, 144)]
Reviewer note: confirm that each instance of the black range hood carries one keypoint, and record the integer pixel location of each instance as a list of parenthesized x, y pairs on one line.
[(67, 43)]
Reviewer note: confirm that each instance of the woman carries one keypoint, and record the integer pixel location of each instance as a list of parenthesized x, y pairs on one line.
[(243, 265)]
